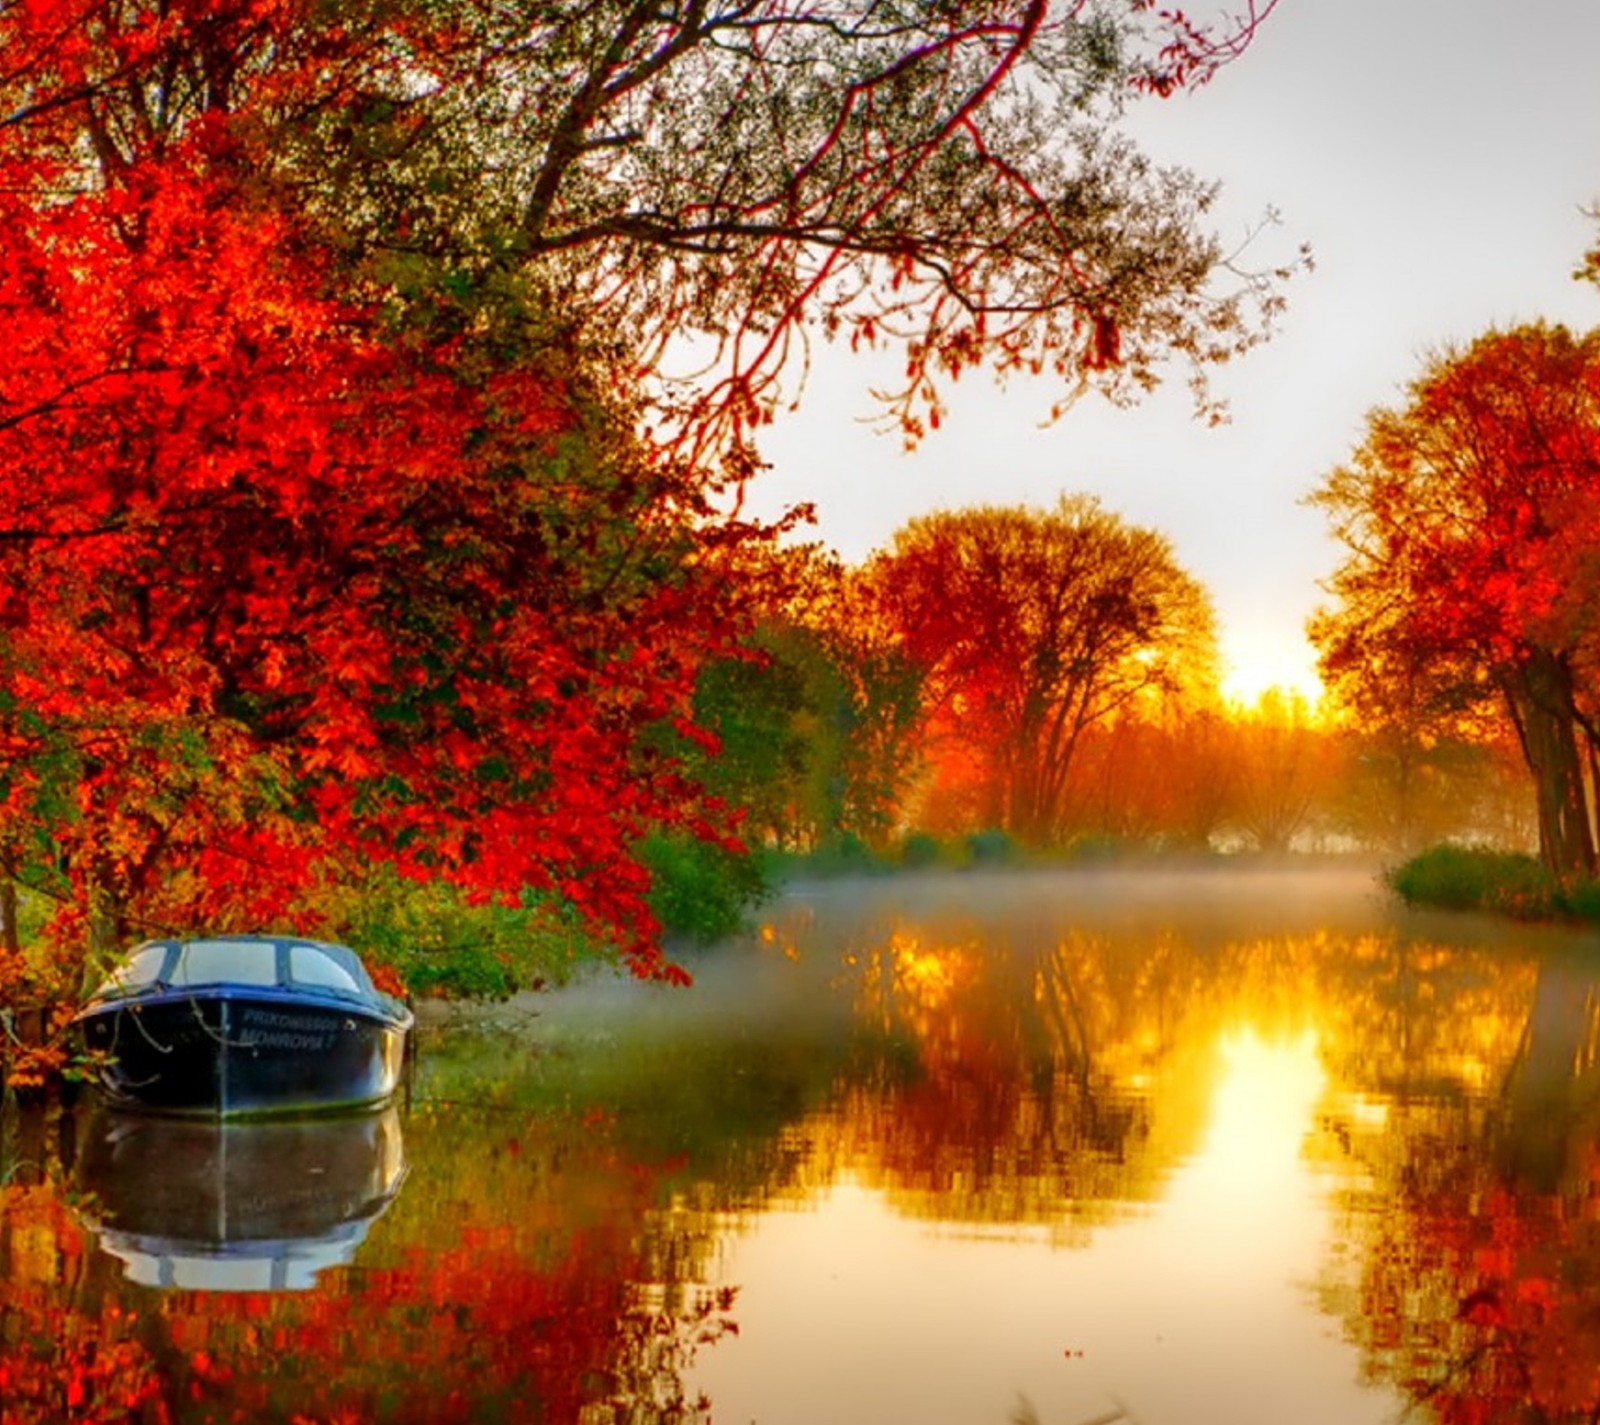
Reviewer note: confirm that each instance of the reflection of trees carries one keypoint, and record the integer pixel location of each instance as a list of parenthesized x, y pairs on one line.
[(1554, 1084), (1416, 1020), (1033, 1060), (1046, 1048), (1043, 1075), (523, 1274), (60, 1358), (1476, 1276)]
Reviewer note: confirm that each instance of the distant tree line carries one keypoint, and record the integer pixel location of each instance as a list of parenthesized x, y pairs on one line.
[(1050, 675)]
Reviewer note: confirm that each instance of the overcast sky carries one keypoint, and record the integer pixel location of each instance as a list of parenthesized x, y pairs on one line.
[(1436, 154)]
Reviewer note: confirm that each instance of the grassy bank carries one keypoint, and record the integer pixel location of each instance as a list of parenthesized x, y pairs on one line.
[(1498, 882)]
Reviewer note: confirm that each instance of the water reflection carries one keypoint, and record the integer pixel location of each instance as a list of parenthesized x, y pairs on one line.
[(235, 1206), (983, 1149), (1245, 1065), (1474, 1277)]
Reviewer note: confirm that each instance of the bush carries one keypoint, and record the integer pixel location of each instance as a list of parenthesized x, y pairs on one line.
[(844, 855), (1103, 847), (1474, 878), (922, 849), (1583, 900), (439, 944)]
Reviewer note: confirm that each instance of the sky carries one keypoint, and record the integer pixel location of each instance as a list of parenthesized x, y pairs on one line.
[(1437, 155)]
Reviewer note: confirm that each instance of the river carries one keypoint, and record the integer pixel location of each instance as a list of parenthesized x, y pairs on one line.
[(989, 1148)]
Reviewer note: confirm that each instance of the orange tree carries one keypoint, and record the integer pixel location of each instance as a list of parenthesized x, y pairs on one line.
[(1468, 516), (1034, 626)]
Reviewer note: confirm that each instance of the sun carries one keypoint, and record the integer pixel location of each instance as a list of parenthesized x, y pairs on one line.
[(1252, 671)]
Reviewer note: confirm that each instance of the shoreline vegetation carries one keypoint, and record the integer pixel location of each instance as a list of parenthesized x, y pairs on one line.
[(1504, 883), (1446, 877), (429, 942)]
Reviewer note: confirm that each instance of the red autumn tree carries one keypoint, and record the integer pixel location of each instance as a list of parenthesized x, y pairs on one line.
[(1034, 626), (285, 584), (1469, 517)]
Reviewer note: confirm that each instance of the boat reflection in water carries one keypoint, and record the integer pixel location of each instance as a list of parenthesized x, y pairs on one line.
[(217, 1206)]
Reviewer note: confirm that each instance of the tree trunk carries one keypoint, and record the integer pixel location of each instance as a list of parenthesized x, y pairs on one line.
[(10, 937), (107, 926), (1592, 789), (1550, 744), (1405, 813)]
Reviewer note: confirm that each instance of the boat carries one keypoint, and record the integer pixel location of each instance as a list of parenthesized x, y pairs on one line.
[(244, 1026), (218, 1205)]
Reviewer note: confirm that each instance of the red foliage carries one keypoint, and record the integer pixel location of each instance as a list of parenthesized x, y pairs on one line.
[(286, 584), (1469, 515), (60, 1366)]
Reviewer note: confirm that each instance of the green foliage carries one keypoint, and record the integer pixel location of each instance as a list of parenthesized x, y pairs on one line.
[(1477, 878), (843, 855), (921, 848), (439, 944), (699, 889), (757, 707), (33, 914), (1106, 847), (811, 728), (1583, 900)]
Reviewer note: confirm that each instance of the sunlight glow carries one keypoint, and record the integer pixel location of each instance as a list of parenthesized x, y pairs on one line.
[(1262, 1108), (1244, 687), (929, 973)]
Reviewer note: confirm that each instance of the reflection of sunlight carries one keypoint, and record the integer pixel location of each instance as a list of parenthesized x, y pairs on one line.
[(1261, 1108), (1365, 1111), (928, 973), (1191, 1311), (1117, 1152)]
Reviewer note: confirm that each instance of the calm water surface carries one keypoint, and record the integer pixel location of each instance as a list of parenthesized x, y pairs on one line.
[(998, 1149)]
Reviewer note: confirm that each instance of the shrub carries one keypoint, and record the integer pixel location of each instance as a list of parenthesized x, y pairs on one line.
[(843, 855), (1104, 847), (921, 848), (1583, 900), (1474, 878), (439, 944)]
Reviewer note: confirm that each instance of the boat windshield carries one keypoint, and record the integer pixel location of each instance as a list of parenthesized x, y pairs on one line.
[(137, 972), (240, 962), (245, 961), (309, 965)]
